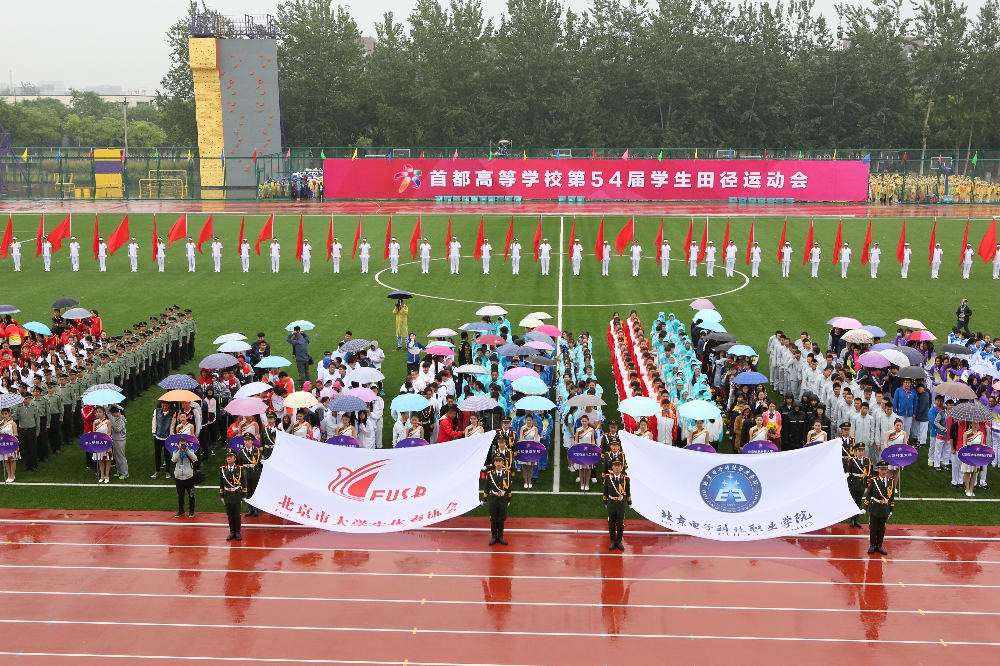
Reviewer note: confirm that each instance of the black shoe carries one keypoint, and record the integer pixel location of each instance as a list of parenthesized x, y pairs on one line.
[(613, 545), (881, 550), (249, 514), (239, 537), (984, 486), (621, 546), (256, 513), (501, 542), (57, 453), (178, 514), (44, 460), (493, 541), (190, 514), (871, 551), (232, 535)]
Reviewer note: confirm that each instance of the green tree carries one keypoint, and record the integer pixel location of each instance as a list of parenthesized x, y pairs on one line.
[(176, 100), (390, 79)]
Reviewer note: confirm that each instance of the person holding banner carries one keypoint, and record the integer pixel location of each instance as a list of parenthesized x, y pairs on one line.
[(698, 434), (232, 491), (249, 459), (973, 435), (529, 433), (858, 469), (817, 435), (613, 455), (497, 494), (474, 428), (617, 499), (880, 500), (346, 429)]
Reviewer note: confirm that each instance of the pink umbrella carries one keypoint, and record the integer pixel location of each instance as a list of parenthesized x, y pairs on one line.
[(517, 373), (873, 360), (923, 335), (439, 350), (702, 304), (844, 322), (538, 344), (246, 407), (548, 329), (365, 394)]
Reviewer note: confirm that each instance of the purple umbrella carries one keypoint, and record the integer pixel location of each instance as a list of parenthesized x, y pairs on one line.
[(411, 442), (872, 359), (236, 443), (343, 440), (538, 344), (698, 446), (8, 444), (517, 373), (760, 447), (882, 346), (530, 452), (95, 442), (586, 455), (174, 440)]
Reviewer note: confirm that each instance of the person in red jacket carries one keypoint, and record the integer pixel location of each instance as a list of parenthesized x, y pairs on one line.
[(447, 426)]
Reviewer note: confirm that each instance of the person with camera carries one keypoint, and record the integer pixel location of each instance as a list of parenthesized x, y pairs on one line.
[(300, 348), (184, 460)]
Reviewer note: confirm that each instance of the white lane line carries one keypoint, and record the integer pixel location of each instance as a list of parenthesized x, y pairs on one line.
[(254, 660), (481, 632), (475, 602), (682, 557), (480, 576)]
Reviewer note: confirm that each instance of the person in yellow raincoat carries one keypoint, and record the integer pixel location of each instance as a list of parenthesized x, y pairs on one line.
[(401, 311)]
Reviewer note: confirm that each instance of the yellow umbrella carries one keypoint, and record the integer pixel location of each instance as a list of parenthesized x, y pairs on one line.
[(300, 399), (179, 396), (528, 322)]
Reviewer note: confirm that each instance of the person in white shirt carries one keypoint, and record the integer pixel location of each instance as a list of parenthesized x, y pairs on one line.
[(515, 257), (189, 249), (936, 260), (336, 250), (814, 257), (710, 259), (366, 254), (102, 254), (665, 258), (545, 255), (15, 253), (307, 253), (487, 251), (967, 261), (755, 259), (394, 256), (275, 253), (731, 251), (46, 253), (74, 254), (161, 254), (454, 254), (845, 259), (576, 256), (907, 252), (786, 259), (217, 254), (605, 257), (133, 255), (693, 259), (874, 258), (636, 254), (425, 257), (245, 255), (996, 264)]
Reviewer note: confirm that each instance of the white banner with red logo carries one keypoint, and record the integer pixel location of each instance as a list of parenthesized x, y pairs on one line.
[(346, 489)]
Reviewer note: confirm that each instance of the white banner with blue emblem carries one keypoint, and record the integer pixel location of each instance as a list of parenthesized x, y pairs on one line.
[(738, 497)]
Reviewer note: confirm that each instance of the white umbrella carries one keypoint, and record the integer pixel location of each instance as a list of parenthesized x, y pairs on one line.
[(252, 389), (229, 337), (539, 315), (234, 346), (300, 399), (895, 357), (911, 323), (441, 333), (470, 369), (364, 375), (529, 322), (490, 311), (859, 336)]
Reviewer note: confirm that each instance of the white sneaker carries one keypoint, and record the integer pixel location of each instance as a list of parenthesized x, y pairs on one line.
[(167, 475), (526, 485)]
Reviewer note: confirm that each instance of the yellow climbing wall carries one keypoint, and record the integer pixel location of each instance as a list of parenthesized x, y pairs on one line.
[(208, 110)]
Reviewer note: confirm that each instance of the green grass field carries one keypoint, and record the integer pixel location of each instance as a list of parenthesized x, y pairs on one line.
[(261, 301)]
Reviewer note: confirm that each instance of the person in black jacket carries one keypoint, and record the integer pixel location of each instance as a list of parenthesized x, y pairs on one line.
[(793, 427), (964, 314)]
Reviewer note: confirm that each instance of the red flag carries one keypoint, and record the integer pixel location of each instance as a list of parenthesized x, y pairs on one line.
[(900, 246), (120, 236), (866, 250), (599, 245), (388, 239), (965, 241), (414, 239), (155, 237), (538, 237), (593, 153), (477, 252), (447, 239), (625, 236), (988, 246), (357, 238), (750, 239), (704, 242), (243, 222), (839, 242), (329, 239), (8, 237), (97, 237), (254, 156), (180, 230), (572, 238), (659, 241), (62, 232), (725, 237), (299, 241), (687, 241), (930, 253), (809, 243), (781, 243), (207, 232), (266, 233), (41, 232), (509, 239)]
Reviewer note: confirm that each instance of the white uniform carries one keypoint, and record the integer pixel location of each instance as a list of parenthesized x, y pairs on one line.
[(605, 258), (454, 255), (366, 255), (74, 255), (394, 257), (577, 257), (636, 254), (102, 255), (693, 259), (845, 260), (217, 255), (710, 260), (545, 255), (275, 256), (966, 263), (875, 258), (245, 256), (161, 255), (907, 252), (936, 262), (515, 258), (786, 260), (487, 251), (665, 259), (189, 251), (336, 250), (814, 257), (47, 254), (133, 256), (307, 253), (425, 257), (730, 259), (754, 260), (15, 254), (996, 264)]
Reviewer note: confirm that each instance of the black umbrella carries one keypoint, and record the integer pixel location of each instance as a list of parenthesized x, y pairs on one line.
[(722, 337), (913, 372), (960, 350), (725, 346), (971, 412), (539, 360), (65, 302), (399, 294)]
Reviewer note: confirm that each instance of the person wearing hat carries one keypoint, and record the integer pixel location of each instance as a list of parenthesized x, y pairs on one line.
[(425, 256), (996, 263), (46, 253), (692, 258), (245, 255), (936, 256), (27, 417), (635, 254), (275, 254), (486, 251), (858, 469), (307, 252), (217, 254), (366, 254), (845, 259), (497, 495), (755, 254), (880, 500), (232, 490), (545, 255), (576, 255), (664, 251), (967, 255), (617, 500), (874, 258), (515, 256), (393, 250), (15, 253), (54, 417), (74, 254), (614, 453), (710, 259), (786, 259), (454, 255), (249, 458), (907, 253), (815, 253), (503, 443), (102, 254), (133, 255), (731, 251), (189, 249), (161, 254)]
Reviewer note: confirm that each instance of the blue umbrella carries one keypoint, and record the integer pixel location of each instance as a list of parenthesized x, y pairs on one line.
[(699, 410), (874, 330), (409, 402), (36, 327), (508, 350), (750, 378), (713, 326), (178, 382), (707, 315), (347, 403), (103, 397), (273, 362), (101, 387), (530, 385), (477, 326), (741, 350), (217, 362), (539, 337), (638, 406), (535, 402), (882, 346)]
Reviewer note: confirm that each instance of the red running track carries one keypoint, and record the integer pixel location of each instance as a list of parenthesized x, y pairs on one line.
[(80, 587)]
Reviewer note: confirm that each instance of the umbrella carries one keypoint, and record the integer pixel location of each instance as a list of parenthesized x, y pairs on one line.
[(548, 329), (699, 410), (103, 387), (490, 311), (517, 373), (184, 382), (702, 304), (538, 344), (477, 403), (8, 309), (532, 385), (913, 372), (873, 360), (37, 327), (76, 313), (253, 388), (489, 340), (364, 376), (844, 322), (273, 362), (399, 294), (960, 350), (439, 350), (750, 378), (8, 400), (355, 345), (535, 403), (915, 357), (971, 412), (540, 315), (246, 407), (874, 330), (528, 322), (471, 369), (234, 346), (638, 406), (725, 346), (64, 302), (365, 394), (302, 324), (741, 350), (441, 333), (409, 402), (539, 360), (508, 350), (299, 399), (476, 326), (536, 336), (882, 346), (217, 362), (895, 357), (444, 343), (342, 403), (713, 326), (585, 400), (911, 323), (722, 337), (859, 336), (179, 395), (707, 315), (229, 337), (956, 390), (921, 336)]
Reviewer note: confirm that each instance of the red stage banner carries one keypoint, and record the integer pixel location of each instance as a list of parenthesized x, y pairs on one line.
[(613, 180)]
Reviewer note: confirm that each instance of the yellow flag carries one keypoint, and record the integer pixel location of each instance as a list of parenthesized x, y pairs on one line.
[(355, 155), (25, 156), (189, 154), (525, 155), (834, 153), (696, 153)]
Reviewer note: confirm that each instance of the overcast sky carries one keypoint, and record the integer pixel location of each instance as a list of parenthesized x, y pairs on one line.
[(121, 42)]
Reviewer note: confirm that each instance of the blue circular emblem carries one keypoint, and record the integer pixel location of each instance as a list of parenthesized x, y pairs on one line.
[(731, 488)]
